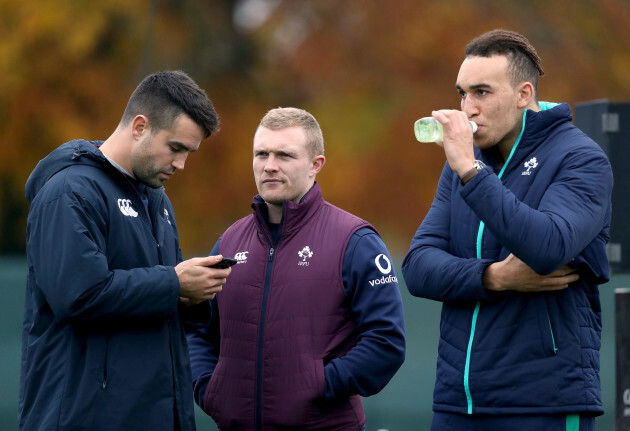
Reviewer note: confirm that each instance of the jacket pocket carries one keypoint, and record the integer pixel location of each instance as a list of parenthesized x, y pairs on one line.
[(97, 356), (547, 333)]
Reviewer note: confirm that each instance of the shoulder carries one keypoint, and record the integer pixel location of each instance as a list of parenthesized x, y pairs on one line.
[(82, 180), (241, 224), (571, 143), (344, 217)]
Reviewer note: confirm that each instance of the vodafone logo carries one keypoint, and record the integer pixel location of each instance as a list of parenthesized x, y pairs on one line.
[(381, 260), (124, 205), (385, 266)]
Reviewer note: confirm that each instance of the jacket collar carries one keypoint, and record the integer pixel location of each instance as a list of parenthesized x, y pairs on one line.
[(537, 127), (294, 215)]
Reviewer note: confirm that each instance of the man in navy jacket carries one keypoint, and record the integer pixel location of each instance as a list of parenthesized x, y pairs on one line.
[(311, 318), (103, 345), (514, 248)]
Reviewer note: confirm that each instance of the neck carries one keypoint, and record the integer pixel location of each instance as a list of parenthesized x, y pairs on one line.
[(117, 149), (508, 142), (275, 213)]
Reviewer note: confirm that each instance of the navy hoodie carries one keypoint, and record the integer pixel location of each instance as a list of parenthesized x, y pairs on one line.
[(103, 347)]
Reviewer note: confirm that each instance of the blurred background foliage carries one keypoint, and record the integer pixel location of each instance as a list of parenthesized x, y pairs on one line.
[(366, 69)]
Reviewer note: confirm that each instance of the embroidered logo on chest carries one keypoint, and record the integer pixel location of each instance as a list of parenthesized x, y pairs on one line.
[(168, 218), (241, 256), (124, 205), (529, 165), (305, 253)]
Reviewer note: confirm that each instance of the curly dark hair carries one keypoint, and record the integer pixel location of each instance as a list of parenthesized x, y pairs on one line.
[(524, 62)]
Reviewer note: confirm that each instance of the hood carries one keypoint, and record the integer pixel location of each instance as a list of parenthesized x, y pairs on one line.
[(76, 152), (537, 124)]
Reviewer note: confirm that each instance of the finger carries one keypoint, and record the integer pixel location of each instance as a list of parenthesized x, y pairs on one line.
[(210, 293), (565, 270), (569, 270), (215, 283), (560, 280), (209, 260), (219, 273), (551, 288)]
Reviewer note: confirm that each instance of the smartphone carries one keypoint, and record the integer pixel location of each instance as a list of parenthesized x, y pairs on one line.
[(226, 262)]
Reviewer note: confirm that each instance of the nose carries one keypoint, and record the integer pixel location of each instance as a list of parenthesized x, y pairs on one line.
[(179, 161), (469, 107), (271, 165)]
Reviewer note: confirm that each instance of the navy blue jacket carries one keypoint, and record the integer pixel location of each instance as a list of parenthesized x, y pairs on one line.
[(516, 353), (103, 346)]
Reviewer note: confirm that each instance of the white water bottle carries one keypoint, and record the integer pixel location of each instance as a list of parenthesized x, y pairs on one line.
[(428, 129)]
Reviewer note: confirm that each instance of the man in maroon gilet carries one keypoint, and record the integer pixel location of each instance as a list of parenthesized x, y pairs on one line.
[(311, 317)]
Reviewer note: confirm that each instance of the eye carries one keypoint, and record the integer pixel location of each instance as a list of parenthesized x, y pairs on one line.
[(177, 148), (462, 93)]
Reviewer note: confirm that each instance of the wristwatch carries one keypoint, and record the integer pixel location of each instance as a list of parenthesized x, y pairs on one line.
[(477, 166)]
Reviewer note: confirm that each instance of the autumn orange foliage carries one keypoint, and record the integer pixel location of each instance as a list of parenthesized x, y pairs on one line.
[(366, 69)]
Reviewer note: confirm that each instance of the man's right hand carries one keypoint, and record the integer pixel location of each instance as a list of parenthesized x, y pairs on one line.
[(197, 281), (513, 274)]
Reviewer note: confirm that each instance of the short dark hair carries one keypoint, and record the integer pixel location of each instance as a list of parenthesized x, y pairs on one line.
[(164, 96), (524, 62)]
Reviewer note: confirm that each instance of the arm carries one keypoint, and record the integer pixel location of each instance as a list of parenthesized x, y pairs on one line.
[(72, 271), (378, 312), (570, 215), (73, 274), (429, 269), (513, 274), (203, 345)]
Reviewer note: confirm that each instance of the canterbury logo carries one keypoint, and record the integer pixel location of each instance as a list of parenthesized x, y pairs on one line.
[(125, 207), (241, 256)]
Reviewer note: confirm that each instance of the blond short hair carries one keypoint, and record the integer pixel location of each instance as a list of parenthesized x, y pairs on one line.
[(282, 118)]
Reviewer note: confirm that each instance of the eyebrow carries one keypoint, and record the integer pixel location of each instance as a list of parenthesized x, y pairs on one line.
[(473, 87)]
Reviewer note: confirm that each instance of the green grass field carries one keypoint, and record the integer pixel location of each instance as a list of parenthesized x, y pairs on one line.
[(404, 405)]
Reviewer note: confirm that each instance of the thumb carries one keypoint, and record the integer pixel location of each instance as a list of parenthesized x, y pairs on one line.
[(210, 260)]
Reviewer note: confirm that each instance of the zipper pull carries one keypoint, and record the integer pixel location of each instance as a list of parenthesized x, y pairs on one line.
[(271, 250)]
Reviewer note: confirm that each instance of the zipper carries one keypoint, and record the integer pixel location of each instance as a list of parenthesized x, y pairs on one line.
[(473, 322), (104, 384), (261, 333), (258, 420), (553, 340)]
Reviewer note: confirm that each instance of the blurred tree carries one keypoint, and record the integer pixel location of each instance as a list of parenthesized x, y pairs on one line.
[(365, 69)]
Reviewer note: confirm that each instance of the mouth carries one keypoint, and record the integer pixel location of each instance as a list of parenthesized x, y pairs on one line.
[(271, 181)]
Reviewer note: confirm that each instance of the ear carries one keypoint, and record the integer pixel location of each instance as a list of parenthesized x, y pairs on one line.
[(140, 126), (526, 95), (317, 164)]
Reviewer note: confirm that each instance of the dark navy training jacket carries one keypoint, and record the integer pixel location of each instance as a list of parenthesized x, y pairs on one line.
[(510, 352), (103, 347)]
